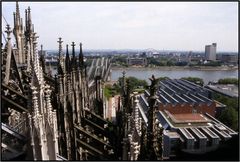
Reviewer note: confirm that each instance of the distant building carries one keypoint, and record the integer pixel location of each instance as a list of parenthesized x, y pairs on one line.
[(229, 90), (185, 112), (190, 54), (210, 52), (43, 52), (111, 108), (191, 133), (156, 55), (181, 96), (137, 61), (229, 58)]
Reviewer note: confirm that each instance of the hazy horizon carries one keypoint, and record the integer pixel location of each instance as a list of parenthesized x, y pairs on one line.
[(168, 26), (114, 49)]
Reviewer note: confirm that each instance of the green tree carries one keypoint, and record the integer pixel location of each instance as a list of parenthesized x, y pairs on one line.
[(162, 78), (181, 63), (111, 90), (170, 63), (153, 61), (135, 83), (230, 102), (213, 63), (162, 63), (229, 116), (228, 81)]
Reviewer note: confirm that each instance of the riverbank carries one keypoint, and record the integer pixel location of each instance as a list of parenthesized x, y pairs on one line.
[(177, 68), (145, 73)]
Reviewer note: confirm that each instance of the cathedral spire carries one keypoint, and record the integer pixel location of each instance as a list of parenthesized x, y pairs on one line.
[(27, 28), (14, 19), (60, 48), (73, 56), (67, 62), (17, 7), (26, 18), (28, 24), (29, 19), (150, 115), (60, 57), (9, 54), (18, 33), (42, 59), (123, 83), (81, 62), (17, 14)]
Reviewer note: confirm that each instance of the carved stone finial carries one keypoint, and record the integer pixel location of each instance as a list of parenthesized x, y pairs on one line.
[(60, 46), (153, 85), (73, 44), (123, 81), (59, 40), (47, 90), (34, 36), (8, 31), (80, 54), (17, 5), (123, 73)]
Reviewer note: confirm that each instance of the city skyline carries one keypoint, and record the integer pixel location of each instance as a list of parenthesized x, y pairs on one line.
[(133, 25), (125, 105)]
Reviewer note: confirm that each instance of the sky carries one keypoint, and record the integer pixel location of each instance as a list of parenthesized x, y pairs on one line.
[(185, 26)]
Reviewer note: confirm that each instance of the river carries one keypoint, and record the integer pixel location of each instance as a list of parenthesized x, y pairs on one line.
[(175, 74)]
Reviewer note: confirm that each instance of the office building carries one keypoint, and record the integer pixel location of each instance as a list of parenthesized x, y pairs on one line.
[(137, 61), (210, 52)]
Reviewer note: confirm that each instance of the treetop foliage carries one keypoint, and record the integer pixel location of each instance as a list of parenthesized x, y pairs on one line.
[(228, 81)]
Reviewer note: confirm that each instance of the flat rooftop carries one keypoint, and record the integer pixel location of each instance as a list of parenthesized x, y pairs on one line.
[(179, 91), (186, 120), (226, 89)]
